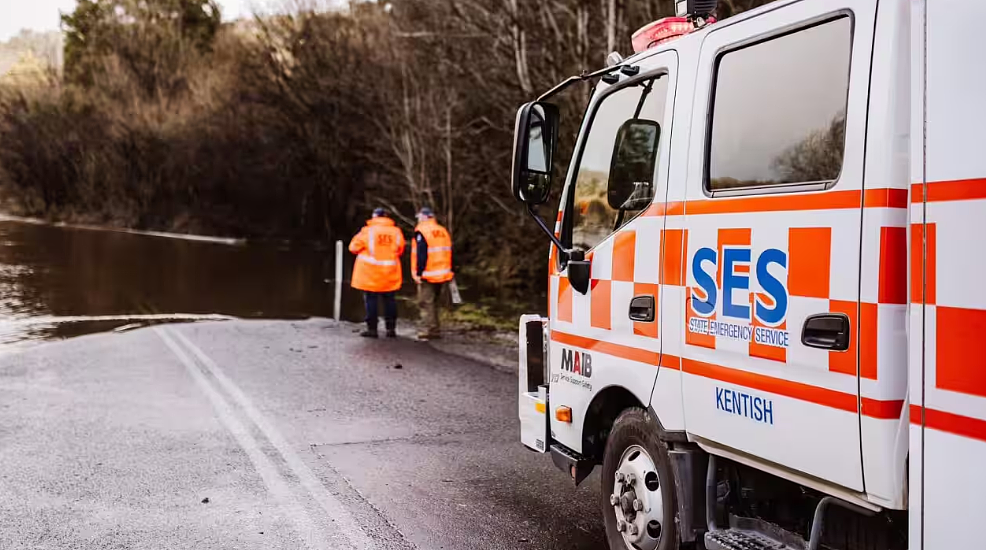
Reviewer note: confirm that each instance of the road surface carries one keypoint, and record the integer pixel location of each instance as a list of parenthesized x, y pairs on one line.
[(272, 435)]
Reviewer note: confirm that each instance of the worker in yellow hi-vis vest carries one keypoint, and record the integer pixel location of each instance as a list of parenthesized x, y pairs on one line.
[(431, 268)]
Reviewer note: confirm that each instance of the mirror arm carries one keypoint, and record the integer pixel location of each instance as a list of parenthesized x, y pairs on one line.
[(577, 78), (619, 218), (551, 234)]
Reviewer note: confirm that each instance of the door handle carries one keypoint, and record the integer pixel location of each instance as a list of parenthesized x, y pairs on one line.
[(642, 309), (826, 331)]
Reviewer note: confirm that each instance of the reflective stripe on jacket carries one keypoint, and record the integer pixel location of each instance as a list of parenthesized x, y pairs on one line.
[(378, 248), (438, 269)]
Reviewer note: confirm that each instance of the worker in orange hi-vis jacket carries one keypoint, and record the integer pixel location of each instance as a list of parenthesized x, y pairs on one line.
[(378, 248), (431, 268)]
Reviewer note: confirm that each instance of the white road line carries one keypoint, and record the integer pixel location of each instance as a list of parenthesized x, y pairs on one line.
[(311, 534), (332, 507)]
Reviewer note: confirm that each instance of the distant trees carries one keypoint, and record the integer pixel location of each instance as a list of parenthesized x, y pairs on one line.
[(151, 40), (294, 126), (817, 157), (45, 47)]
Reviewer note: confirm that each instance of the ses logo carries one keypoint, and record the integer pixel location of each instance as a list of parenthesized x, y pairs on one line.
[(737, 312)]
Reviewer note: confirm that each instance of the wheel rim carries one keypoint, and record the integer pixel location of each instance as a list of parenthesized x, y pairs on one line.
[(637, 500)]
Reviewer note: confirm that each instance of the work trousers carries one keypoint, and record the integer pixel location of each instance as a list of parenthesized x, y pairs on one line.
[(428, 296), (389, 309)]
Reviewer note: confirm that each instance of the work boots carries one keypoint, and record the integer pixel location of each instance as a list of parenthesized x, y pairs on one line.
[(370, 331)]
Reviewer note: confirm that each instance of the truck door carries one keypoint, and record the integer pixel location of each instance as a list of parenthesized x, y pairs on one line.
[(773, 204), (618, 171), (948, 298)]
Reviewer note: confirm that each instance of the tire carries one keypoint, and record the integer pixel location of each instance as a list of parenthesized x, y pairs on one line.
[(635, 431)]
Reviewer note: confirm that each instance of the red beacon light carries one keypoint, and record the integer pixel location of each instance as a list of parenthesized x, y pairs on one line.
[(691, 16), (665, 30)]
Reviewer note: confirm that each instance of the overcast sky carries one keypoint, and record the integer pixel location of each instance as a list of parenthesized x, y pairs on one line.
[(42, 15)]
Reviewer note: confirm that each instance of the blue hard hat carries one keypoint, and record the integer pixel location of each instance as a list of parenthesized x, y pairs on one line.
[(378, 212), (426, 212)]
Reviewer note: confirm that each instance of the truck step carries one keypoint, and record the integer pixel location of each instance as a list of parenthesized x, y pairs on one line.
[(740, 539), (571, 462)]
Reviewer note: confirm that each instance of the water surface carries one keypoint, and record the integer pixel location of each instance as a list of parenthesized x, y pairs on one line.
[(58, 281)]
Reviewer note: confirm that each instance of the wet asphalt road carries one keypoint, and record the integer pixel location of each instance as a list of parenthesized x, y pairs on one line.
[(280, 435)]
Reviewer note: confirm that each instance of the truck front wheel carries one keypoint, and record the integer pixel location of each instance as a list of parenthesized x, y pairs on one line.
[(638, 497)]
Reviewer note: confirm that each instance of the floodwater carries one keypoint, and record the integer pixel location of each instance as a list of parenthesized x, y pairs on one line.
[(57, 281)]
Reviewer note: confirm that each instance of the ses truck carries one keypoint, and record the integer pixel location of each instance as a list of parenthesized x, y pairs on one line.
[(767, 310)]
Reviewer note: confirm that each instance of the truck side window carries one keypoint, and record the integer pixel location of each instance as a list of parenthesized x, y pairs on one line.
[(593, 217), (779, 109)]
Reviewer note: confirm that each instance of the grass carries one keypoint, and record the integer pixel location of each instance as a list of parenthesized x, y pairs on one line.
[(478, 317)]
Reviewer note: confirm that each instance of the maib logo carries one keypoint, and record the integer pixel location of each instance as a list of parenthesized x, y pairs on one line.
[(736, 312), (576, 362)]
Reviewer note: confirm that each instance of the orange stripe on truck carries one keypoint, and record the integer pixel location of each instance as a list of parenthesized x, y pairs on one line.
[(670, 361), (826, 200), (804, 392), (873, 408), (833, 399), (885, 198), (965, 426), (608, 348), (945, 191), (885, 410), (822, 200)]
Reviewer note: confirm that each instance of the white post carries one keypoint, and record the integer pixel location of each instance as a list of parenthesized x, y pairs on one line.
[(337, 306)]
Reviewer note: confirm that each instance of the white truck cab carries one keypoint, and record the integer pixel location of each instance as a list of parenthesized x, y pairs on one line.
[(765, 289)]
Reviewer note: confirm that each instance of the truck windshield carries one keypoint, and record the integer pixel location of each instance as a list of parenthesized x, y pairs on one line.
[(593, 218)]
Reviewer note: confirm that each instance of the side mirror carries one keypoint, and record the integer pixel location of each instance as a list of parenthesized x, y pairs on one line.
[(579, 271), (631, 172), (535, 142)]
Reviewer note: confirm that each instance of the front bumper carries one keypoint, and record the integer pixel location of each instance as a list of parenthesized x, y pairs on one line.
[(532, 403)]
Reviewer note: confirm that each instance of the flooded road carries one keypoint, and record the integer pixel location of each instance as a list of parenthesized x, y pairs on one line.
[(57, 282)]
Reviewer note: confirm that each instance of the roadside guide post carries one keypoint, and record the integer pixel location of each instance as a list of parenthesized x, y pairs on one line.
[(337, 304)]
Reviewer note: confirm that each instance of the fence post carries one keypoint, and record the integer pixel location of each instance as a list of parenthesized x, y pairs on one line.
[(337, 305)]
